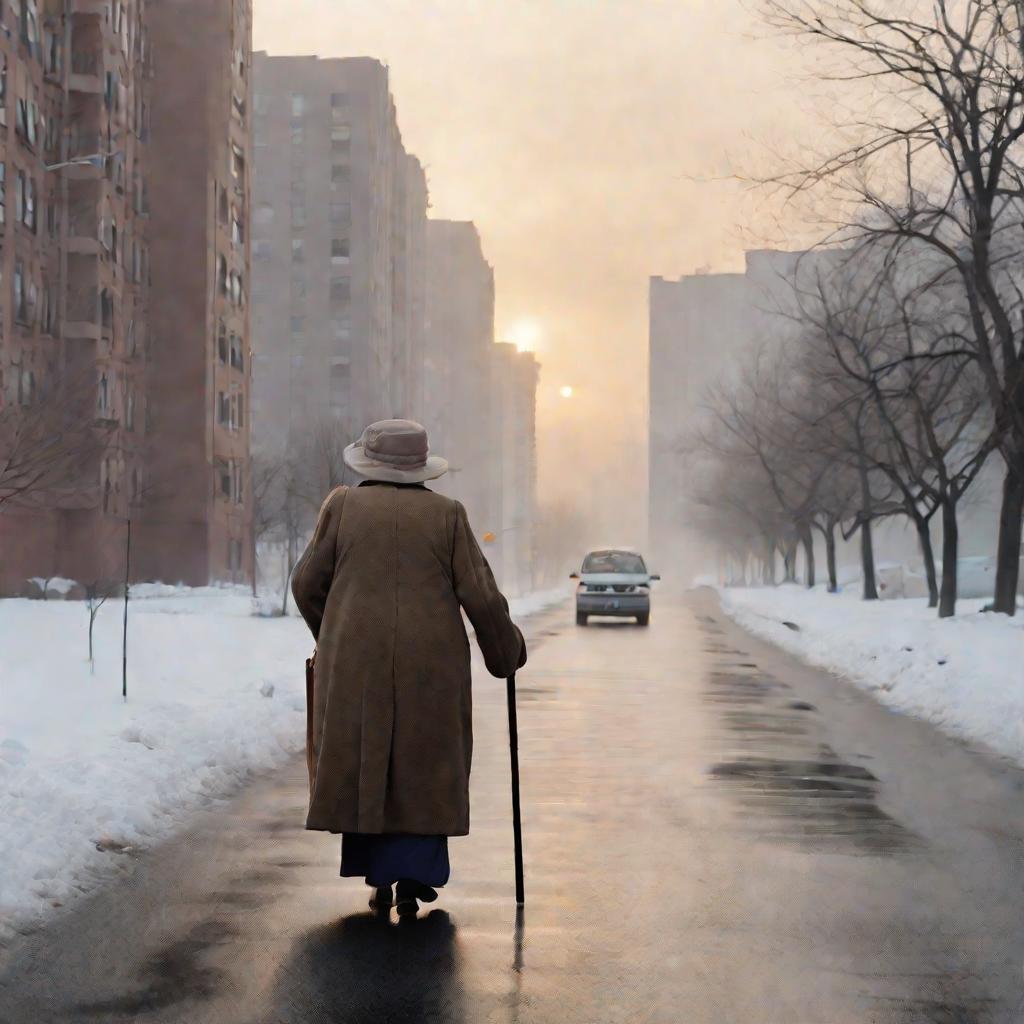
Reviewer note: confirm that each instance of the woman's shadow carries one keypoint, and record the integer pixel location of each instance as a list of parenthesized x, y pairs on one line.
[(368, 968)]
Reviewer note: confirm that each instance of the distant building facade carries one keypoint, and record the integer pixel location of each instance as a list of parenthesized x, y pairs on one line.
[(699, 324), (458, 395), (339, 251), (515, 376), (100, 212)]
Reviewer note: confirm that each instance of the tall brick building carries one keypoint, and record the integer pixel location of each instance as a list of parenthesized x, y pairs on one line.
[(125, 270)]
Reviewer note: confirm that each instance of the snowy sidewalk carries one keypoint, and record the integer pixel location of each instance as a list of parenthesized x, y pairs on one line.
[(214, 694), (965, 674)]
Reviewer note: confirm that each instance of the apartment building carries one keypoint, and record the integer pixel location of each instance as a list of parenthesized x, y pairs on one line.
[(338, 250), (74, 121), (197, 508), (457, 376), (117, 120)]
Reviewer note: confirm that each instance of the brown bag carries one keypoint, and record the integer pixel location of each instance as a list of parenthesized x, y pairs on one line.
[(310, 758)]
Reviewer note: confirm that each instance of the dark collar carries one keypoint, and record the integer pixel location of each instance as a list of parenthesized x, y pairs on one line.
[(389, 483)]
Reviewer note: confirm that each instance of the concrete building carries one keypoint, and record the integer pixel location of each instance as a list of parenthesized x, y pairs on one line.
[(479, 402), (339, 239), (699, 325), (458, 387)]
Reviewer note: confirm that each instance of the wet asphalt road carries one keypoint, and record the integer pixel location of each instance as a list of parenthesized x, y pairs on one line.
[(713, 834)]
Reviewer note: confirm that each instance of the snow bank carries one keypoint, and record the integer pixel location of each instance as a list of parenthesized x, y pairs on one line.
[(962, 674), (214, 693)]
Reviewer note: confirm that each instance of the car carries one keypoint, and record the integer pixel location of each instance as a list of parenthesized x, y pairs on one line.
[(615, 582)]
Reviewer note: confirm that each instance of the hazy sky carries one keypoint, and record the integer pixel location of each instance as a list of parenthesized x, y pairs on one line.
[(581, 137)]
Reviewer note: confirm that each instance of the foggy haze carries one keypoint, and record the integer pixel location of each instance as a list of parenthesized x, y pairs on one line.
[(582, 138)]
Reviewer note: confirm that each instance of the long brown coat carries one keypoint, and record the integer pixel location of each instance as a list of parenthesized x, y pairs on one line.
[(380, 586)]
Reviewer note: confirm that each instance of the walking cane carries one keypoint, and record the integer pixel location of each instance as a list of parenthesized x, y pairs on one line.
[(517, 824)]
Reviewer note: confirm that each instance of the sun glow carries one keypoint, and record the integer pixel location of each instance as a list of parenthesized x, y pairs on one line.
[(525, 335), (566, 391)]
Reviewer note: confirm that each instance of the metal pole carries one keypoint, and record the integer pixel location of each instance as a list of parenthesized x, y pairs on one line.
[(124, 632), (517, 824)]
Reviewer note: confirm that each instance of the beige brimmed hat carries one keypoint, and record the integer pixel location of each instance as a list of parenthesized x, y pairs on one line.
[(396, 452)]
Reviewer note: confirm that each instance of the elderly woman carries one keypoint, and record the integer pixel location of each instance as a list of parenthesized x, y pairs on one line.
[(382, 586)]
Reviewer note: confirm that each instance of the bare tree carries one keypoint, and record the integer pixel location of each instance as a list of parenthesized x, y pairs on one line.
[(48, 435), (872, 328), (290, 486), (96, 595), (948, 116)]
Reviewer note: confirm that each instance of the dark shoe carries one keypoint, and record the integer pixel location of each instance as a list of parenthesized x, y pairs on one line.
[(409, 891), (381, 898)]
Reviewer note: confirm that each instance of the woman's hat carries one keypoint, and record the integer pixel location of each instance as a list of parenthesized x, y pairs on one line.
[(396, 452)]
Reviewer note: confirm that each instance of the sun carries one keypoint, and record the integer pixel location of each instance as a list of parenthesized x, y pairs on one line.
[(525, 335), (566, 391)]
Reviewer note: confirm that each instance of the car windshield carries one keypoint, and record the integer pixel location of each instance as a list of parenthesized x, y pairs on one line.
[(613, 561)]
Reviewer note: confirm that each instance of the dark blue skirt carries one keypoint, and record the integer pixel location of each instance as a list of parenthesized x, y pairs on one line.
[(384, 859)]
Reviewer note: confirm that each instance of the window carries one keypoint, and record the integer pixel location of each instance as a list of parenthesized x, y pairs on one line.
[(3, 89), (298, 287), (234, 555), (339, 250), (297, 326), (223, 409), (263, 215), (48, 319), (26, 387), (340, 385), (341, 213), (339, 99), (20, 298), (3, 192), (222, 342), (52, 53), (340, 175), (237, 233), (341, 139), (107, 308), (240, 413), (223, 468), (298, 250), (129, 410), (237, 163), (103, 393), (298, 215), (237, 357), (222, 274), (341, 328), (30, 203), (341, 290), (298, 105)]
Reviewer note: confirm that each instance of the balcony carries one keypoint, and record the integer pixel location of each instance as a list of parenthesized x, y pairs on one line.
[(83, 314), (89, 8), (87, 71)]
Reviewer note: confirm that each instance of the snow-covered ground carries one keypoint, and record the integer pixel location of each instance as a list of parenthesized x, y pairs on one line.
[(965, 674), (214, 693)]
